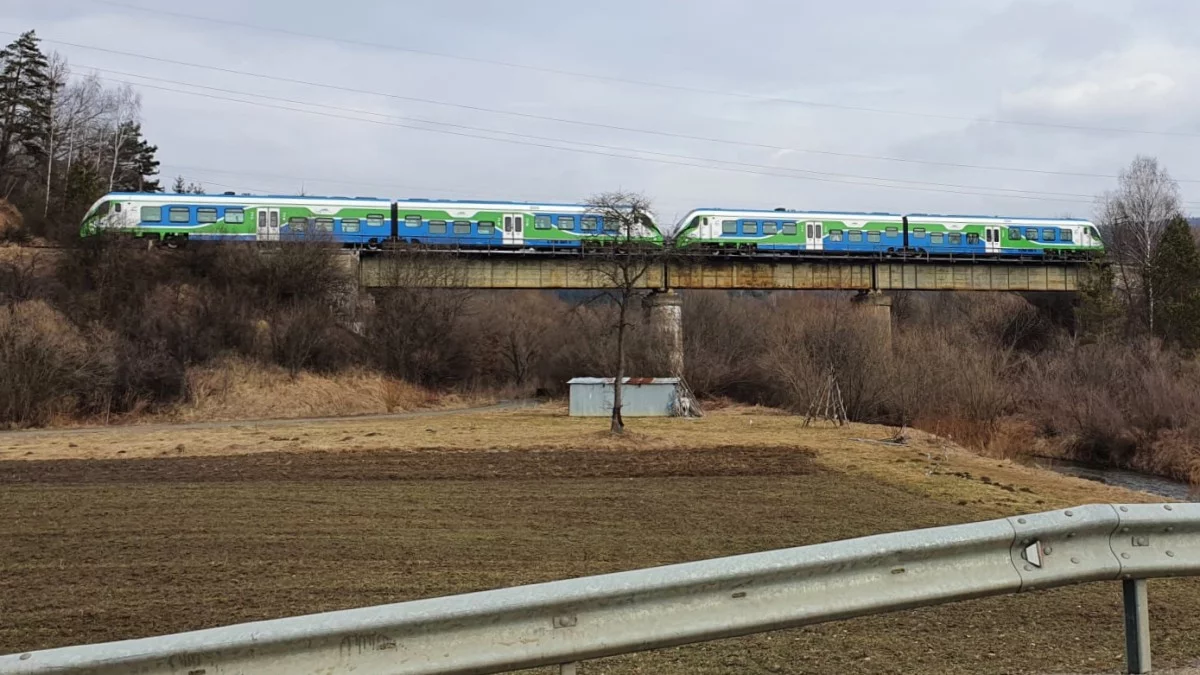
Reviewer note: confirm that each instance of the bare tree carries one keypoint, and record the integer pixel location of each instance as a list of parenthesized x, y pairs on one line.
[(1133, 218), (126, 109), (623, 262)]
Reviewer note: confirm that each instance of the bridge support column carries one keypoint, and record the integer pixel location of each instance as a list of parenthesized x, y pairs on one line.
[(879, 307), (664, 310)]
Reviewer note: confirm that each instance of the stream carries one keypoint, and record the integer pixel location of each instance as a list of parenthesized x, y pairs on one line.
[(1142, 482)]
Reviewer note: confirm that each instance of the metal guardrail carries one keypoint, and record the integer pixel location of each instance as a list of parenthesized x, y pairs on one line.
[(565, 622)]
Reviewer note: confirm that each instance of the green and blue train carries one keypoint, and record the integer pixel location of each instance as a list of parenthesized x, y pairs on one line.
[(375, 223)]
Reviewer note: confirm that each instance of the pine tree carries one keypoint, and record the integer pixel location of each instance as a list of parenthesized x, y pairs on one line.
[(1099, 313), (179, 186), (136, 164), (26, 98), (1176, 273)]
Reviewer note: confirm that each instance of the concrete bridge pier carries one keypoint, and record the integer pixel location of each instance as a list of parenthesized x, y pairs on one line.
[(879, 307), (664, 310)]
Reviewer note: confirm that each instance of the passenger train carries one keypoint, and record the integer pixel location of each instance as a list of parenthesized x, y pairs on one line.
[(374, 223)]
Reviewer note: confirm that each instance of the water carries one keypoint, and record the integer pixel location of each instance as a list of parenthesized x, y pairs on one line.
[(1142, 482)]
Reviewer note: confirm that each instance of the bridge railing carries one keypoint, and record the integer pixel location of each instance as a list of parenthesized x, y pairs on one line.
[(567, 622)]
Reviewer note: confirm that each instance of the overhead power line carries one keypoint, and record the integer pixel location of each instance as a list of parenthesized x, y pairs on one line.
[(598, 125), (659, 157), (358, 42)]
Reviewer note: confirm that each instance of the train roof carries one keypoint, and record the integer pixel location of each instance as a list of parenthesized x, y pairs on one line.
[(1004, 219), (776, 212), (186, 196)]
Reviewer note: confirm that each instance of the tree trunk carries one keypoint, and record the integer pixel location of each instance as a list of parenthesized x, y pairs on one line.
[(618, 423)]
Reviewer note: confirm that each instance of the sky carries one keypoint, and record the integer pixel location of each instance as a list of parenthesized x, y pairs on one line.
[(999, 107)]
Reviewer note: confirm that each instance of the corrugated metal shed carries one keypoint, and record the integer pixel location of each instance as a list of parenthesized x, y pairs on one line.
[(640, 396)]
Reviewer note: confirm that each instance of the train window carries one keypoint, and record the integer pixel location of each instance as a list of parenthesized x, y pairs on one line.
[(539, 222), (412, 221), (206, 214), (1094, 232), (117, 207), (1014, 233), (488, 228), (1031, 233), (835, 235), (374, 220), (566, 222), (437, 227), (462, 227), (151, 214), (937, 237), (973, 238), (789, 229), (856, 236), (728, 227), (350, 225), (589, 223), (103, 210), (893, 232), (612, 225), (274, 218), (323, 224), (918, 233), (235, 216), (1067, 235), (874, 236), (297, 223), (1048, 235), (179, 214), (770, 227), (750, 227), (955, 239)]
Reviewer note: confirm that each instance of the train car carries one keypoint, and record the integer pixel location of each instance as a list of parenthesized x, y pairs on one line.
[(791, 231), (174, 218), (1003, 237), (479, 224)]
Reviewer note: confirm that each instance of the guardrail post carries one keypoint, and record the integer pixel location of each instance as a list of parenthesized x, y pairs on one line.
[(568, 669), (1137, 627)]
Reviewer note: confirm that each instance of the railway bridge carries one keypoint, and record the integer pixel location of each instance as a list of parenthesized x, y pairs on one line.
[(662, 275)]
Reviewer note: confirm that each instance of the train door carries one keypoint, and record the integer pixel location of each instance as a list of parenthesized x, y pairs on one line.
[(991, 237), (1086, 239), (514, 229), (814, 236), (268, 224)]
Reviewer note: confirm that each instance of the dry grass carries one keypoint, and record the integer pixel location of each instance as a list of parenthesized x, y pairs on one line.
[(236, 389), (11, 222)]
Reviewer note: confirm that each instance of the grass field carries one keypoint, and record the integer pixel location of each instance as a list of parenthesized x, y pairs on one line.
[(250, 523)]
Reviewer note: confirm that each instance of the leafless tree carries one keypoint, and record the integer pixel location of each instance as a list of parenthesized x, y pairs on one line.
[(623, 263), (1133, 218), (126, 108)]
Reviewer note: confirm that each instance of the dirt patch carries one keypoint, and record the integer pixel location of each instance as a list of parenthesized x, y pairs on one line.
[(108, 550)]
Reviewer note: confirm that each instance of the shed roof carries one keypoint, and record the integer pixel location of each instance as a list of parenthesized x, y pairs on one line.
[(627, 380)]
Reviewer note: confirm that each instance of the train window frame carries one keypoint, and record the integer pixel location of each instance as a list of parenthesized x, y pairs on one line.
[(375, 220), (729, 227), (179, 214), (938, 238), (206, 214), (235, 215), (610, 225), (297, 223), (954, 238), (540, 222), (350, 225), (1034, 231), (892, 231), (437, 227), (117, 207), (750, 227), (413, 220), (157, 210), (589, 223), (323, 224), (874, 237), (1066, 235), (919, 232), (789, 229), (835, 235), (1049, 234), (972, 238), (770, 227), (855, 237), (461, 227), (569, 220), (487, 227), (1094, 231), (1014, 234)]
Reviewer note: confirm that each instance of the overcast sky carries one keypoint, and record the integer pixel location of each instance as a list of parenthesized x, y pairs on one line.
[(937, 74)]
